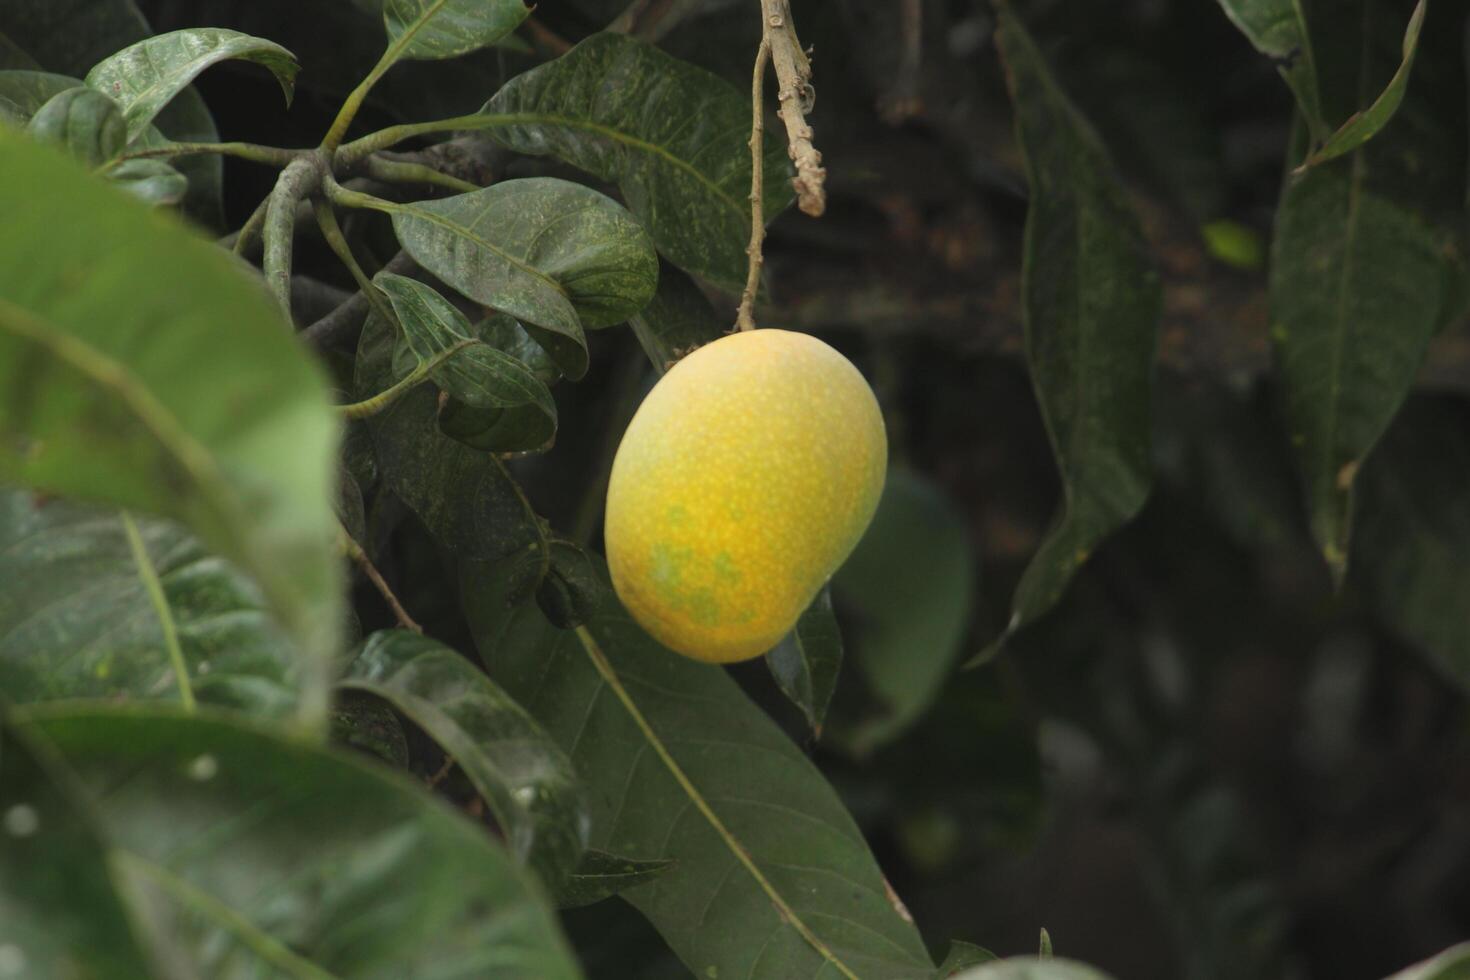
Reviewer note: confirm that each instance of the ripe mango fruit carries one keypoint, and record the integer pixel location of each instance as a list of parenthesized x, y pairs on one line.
[(745, 479)]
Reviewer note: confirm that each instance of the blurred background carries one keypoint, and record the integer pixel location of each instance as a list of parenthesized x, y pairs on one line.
[(1205, 763)]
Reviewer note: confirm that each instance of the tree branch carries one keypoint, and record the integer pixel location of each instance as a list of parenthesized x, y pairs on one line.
[(796, 95)]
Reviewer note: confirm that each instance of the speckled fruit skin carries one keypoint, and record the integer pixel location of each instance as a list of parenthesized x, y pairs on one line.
[(745, 479)]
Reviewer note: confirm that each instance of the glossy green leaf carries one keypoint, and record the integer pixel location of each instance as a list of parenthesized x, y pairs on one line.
[(1368, 261), (77, 619), (1091, 304), (61, 913), (1452, 964), (806, 661), (773, 877), (555, 255), (1278, 30), (1411, 556), (963, 955), (677, 320), (313, 883), (1032, 968), (1364, 125), (122, 387), (673, 137), (525, 777), (478, 374), (151, 181), (147, 75), (433, 29), (910, 584), (465, 497), (600, 875), (366, 723), (82, 122), (71, 36)]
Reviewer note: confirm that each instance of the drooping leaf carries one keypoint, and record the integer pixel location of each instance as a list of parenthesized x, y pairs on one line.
[(147, 75), (1452, 964), (772, 878), (1411, 556), (1032, 968), (122, 387), (478, 375), (1368, 261), (961, 956), (676, 321), (434, 29), (1091, 303), (61, 914), (153, 182), (525, 778), (313, 883), (1364, 125), (82, 122), (1278, 30), (673, 137), (555, 255), (571, 591), (77, 619), (910, 584), (465, 497), (806, 661), (600, 875)]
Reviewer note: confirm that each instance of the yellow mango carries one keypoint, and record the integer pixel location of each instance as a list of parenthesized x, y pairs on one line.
[(744, 480)]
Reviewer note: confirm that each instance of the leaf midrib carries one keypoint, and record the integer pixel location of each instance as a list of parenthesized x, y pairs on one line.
[(784, 910)]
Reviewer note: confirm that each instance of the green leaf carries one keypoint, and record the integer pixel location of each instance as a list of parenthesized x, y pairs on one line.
[(1364, 125), (571, 591), (478, 375), (1278, 30), (910, 584), (773, 876), (1091, 303), (1452, 964), (147, 75), (1368, 261), (1032, 968), (77, 619), (465, 497), (1411, 556), (366, 723), (673, 137), (963, 955), (555, 255), (806, 661), (61, 913), (525, 777), (30, 90), (12, 55), (312, 883), (434, 29), (153, 182), (82, 122), (122, 387), (601, 875), (677, 320)]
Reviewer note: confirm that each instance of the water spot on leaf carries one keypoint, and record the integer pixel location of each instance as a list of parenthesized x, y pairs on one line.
[(203, 768), (22, 820)]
